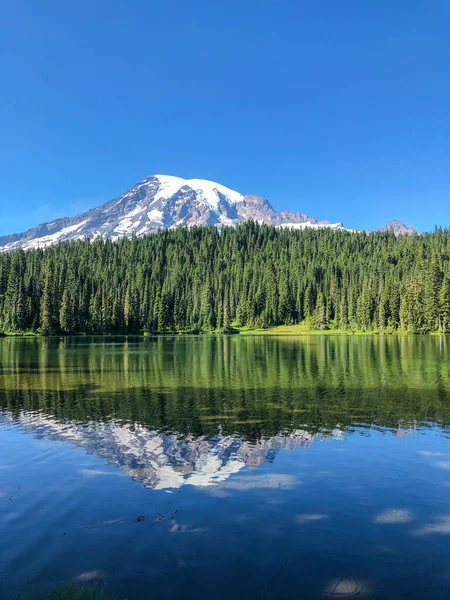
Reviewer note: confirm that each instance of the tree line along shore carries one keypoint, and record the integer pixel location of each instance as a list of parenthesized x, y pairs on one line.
[(249, 278)]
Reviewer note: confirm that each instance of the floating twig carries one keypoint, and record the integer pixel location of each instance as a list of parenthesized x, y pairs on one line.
[(160, 518)]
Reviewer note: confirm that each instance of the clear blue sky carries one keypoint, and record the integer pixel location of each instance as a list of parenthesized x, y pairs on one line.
[(340, 109)]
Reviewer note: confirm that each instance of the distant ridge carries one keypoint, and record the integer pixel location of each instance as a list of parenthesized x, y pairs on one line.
[(398, 228)]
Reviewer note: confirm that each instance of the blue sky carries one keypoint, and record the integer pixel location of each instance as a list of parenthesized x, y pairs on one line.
[(337, 109)]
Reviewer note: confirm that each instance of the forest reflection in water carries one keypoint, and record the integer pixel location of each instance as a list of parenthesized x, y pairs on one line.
[(250, 386)]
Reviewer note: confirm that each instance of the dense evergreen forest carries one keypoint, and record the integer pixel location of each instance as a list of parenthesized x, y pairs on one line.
[(201, 279)]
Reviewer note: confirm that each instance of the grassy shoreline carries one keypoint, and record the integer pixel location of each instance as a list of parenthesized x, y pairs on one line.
[(281, 330)]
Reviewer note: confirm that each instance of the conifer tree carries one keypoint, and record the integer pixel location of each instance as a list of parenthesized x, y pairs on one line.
[(444, 305), (48, 306)]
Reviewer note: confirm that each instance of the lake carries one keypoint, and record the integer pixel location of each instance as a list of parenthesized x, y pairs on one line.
[(226, 467)]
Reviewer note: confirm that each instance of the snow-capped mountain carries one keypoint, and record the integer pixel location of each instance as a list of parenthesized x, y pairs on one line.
[(162, 201)]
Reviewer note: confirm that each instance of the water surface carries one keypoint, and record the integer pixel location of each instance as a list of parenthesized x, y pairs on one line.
[(226, 467)]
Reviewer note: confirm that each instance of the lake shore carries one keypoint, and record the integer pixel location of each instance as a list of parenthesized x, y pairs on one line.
[(282, 330)]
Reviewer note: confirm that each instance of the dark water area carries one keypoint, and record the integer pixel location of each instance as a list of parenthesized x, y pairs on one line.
[(226, 467)]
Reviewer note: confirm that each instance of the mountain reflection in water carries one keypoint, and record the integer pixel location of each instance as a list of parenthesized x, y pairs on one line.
[(160, 461)]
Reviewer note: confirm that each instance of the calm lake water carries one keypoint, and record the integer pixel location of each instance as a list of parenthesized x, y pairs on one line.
[(226, 467)]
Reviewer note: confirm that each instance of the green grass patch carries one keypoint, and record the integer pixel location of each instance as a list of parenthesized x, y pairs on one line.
[(301, 329)]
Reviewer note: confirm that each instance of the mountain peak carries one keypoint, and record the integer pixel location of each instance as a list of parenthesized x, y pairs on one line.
[(208, 191), (399, 228)]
